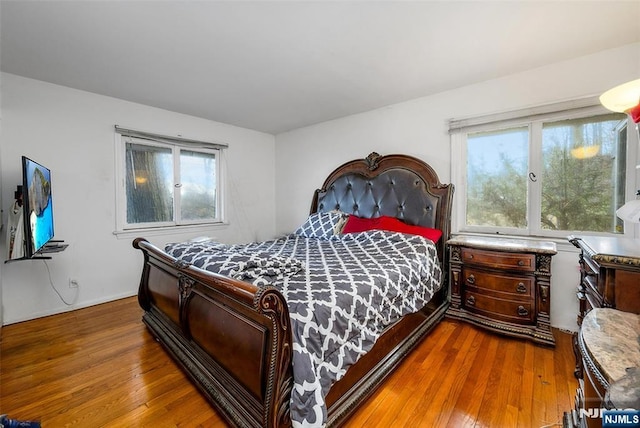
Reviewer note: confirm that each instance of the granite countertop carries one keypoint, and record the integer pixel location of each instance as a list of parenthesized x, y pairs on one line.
[(625, 393), (612, 339), (505, 244)]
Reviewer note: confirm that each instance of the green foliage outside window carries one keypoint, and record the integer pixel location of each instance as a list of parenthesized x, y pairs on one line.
[(577, 193)]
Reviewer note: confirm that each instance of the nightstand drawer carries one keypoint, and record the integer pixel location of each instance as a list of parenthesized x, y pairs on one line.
[(499, 260), (593, 284), (499, 284), (501, 309), (590, 267)]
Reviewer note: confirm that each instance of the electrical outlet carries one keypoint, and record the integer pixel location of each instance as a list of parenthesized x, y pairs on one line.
[(73, 283)]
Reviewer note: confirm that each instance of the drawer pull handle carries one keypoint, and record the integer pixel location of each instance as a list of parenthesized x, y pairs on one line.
[(521, 288), (471, 300), (522, 311), (520, 262), (471, 279)]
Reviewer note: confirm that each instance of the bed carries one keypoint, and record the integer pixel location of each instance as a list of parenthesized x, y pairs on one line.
[(234, 335)]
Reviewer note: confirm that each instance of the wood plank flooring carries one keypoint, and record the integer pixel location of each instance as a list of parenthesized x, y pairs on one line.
[(99, 367)]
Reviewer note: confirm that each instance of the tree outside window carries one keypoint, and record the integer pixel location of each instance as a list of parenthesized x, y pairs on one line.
[(578, 185), (168, 185)]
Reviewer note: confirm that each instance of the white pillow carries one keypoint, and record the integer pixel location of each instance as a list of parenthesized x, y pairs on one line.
[(323, 225)]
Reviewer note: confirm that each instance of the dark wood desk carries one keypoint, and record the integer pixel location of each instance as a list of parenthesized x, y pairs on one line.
[(609, 278), (609, 273)]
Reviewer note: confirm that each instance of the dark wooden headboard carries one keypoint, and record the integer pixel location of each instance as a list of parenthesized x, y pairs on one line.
[(393, 185)]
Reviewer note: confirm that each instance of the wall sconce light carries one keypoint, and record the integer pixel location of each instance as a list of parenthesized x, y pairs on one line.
[(626, 99)]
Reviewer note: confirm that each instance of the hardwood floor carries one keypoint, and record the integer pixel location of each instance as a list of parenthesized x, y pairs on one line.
[(100, 367)]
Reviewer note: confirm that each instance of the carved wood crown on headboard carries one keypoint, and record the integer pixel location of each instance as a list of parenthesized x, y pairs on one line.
[(373, 160)]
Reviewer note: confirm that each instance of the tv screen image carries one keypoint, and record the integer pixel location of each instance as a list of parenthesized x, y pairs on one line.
[(38, 205)]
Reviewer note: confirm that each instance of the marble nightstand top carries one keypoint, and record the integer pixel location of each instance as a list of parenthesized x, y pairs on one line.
[(612, 339), (505, 244)]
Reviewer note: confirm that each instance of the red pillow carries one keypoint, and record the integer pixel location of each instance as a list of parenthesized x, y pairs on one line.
[(393, 224), (358, 224)]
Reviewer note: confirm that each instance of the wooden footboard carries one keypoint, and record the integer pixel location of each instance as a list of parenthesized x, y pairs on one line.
[(232, 338)]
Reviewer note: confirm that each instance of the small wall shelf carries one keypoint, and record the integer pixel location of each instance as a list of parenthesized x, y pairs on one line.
[(49, 248)]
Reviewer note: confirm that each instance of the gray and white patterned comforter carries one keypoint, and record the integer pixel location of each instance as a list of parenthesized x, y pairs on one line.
[(342, 293)]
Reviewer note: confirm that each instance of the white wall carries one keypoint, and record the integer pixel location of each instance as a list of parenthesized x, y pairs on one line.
[(72, 133), (305, 156)]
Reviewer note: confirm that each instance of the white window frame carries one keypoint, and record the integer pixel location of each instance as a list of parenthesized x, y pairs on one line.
[(533, 118), (176, 145)]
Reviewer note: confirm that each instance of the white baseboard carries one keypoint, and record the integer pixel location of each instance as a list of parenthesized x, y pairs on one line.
[(74, 307)]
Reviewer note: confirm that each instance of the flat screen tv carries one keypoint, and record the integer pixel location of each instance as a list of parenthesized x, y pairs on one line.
[(37, 204)]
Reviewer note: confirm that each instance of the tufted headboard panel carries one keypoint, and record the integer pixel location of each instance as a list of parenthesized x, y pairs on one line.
[(394, 185), (395, 193)]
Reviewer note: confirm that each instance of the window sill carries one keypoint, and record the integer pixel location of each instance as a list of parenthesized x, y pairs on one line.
[(168, 230)]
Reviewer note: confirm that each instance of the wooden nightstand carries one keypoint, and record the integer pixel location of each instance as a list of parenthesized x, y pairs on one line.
[(503, 285)]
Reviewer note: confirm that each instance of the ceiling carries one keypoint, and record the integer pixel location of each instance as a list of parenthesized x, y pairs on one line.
[(276, 66)]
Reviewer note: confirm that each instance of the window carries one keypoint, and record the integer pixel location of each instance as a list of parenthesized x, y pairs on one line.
[(497, 165), (166, 182), (545, 173)]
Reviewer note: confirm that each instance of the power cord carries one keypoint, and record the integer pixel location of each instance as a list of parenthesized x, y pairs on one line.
[(55, 289)]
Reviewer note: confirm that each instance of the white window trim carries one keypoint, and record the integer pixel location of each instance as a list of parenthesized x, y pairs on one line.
[(581, 107), (122, 228), (534, 117)]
